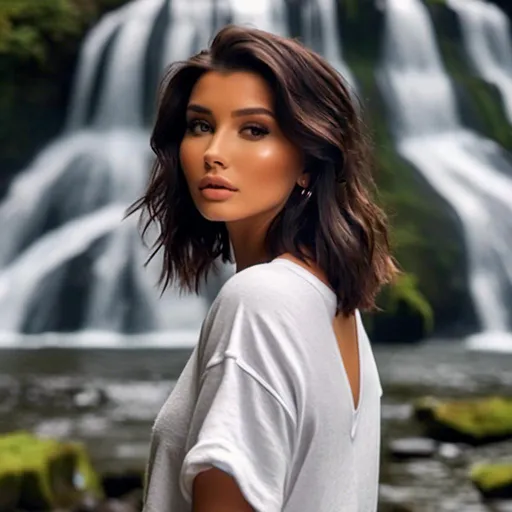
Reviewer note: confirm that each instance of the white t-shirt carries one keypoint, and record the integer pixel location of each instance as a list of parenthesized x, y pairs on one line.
[(265, 397)]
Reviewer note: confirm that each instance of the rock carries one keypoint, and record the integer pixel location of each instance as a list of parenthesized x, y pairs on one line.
[(114, 505), (64, 396), (395, 507), (117, 485), (40, 474), (135, 498), (473, 421), (88, 503), (450, 451), (90, 398), (132, 502), (494, 481), (412, 447), (501, 506), (394, 499)]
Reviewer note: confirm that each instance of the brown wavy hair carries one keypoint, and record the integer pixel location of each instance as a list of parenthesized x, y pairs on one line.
[(339, 224)]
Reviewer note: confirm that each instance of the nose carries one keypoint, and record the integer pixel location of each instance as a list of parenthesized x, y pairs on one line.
[(215, 154)]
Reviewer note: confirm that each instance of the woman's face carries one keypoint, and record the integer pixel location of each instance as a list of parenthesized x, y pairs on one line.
[(237, 162)]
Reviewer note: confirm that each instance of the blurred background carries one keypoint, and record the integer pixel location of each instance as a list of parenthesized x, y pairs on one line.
[(88, 348)]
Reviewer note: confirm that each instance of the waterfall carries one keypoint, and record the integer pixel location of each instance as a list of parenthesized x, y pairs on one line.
[(63, 214), (468, 171), (65, 244), (321, 33), (487, 39)]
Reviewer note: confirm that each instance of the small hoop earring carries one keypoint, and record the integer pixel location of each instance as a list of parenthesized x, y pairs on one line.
[(305, 192)]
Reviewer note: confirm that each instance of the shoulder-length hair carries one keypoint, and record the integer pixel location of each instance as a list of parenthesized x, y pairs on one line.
[(338, 224)]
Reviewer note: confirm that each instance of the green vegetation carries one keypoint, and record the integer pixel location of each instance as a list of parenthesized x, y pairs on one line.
[(32, 30), (433, 280), (479, 103), (491, 477), (41, 474), (39, 45), (475, 421)]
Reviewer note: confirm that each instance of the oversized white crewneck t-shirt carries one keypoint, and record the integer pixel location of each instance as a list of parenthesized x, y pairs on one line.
[(265, 397)]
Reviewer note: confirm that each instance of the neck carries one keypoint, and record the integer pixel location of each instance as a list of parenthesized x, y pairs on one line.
[(248, 244)]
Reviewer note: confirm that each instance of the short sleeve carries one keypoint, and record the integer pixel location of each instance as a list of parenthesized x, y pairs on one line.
[(240, 426)]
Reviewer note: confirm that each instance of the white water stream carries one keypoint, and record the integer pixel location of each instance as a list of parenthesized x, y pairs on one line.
[(464, 168)]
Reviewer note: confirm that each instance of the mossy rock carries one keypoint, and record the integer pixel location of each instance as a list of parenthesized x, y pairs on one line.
[(406, 314), (479, 103), (494, 481), (42, 474), (476, 421)]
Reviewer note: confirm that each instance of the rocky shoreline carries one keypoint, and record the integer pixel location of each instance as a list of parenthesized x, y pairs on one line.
[(107, 400)]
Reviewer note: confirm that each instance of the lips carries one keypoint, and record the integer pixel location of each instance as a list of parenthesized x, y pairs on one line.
[(216, 182)]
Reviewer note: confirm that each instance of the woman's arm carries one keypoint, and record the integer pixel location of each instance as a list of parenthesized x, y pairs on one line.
[(215, 491)]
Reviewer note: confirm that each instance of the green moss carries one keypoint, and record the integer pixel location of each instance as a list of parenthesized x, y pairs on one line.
[(88, 478), (477, 419), (351, 8), (42, 472), (405, 290), (479, 103), (491, 476), (482, 108)]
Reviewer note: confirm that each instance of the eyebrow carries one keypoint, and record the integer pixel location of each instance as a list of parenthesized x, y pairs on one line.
[(194, 107)]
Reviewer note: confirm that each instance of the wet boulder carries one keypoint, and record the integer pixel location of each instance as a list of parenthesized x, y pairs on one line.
[(494, 481), (412, 448), (43, 474), (472, 421)]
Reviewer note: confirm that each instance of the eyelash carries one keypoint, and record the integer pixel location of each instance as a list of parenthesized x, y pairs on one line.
[(191, 125)]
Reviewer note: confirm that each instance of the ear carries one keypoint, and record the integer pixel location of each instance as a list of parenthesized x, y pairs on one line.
[(303, 180)]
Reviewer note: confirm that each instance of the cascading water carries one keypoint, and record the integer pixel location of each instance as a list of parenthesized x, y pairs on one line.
[(321, 34), (65, 211), (468, 171), (486, 34)]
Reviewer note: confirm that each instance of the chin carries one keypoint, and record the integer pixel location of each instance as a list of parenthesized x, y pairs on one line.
[(219, 213)]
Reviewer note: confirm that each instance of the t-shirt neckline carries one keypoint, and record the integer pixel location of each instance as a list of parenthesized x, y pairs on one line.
[(325, 290)]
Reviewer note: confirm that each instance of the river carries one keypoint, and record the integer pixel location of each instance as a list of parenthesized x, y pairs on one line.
[(109, 397)]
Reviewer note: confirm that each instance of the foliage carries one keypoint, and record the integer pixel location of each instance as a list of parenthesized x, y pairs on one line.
[(31, 29), (39, 44), (479, 103), (421, 222), (405, 290), (39, 474)]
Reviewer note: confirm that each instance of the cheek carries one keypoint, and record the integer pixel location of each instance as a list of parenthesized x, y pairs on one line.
[(276, 167), (191, 159)]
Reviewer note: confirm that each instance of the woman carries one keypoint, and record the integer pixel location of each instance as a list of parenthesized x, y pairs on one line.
[(260, 154)]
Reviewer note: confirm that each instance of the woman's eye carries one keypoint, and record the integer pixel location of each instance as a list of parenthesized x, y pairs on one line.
[(256, 132), (197, 127)]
